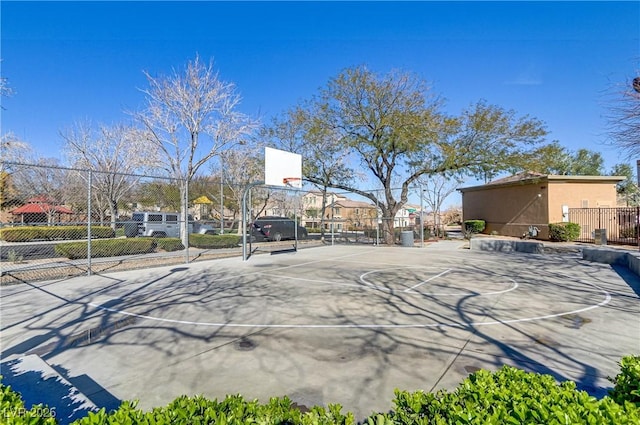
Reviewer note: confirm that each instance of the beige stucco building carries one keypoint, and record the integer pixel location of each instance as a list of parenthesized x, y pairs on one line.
[(512, 204)]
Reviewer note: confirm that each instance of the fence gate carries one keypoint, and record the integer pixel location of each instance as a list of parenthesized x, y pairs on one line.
[(621, 224)]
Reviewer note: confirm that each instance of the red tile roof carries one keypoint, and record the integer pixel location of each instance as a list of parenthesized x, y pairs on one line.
[(35, 208)]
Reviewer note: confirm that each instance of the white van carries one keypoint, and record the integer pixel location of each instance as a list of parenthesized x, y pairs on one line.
[(161, 225)]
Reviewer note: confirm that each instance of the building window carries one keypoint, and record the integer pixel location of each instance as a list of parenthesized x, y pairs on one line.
[(585, 203)]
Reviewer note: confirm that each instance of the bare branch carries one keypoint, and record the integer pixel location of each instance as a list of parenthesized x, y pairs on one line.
[(624, 118), (191, 116)]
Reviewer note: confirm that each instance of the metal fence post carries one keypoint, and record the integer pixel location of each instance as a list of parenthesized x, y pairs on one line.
[(243, 215), (186, 219), (421, 218), (90, 183)]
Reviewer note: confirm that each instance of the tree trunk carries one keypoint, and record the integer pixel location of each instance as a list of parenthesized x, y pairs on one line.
[(323, 209), (113, 210)]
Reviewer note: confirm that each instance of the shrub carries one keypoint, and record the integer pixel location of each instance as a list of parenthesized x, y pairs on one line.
[(474, 226), (49, 233), (214, 241), (627, 382), (13, 411), (232, 410), (106, 248), (169, 244), (508, 396), (371, 233), (563, 232), (629, 232)]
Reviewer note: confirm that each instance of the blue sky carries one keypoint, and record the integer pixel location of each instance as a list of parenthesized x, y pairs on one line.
[(71, 61)]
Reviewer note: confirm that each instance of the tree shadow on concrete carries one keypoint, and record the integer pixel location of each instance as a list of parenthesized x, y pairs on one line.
[(218, 320)]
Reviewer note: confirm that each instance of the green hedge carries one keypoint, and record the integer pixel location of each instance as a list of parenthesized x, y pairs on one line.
[(563, 232), (106, 248), (130, 246), (627, 382), (14, 412), (474, 226), (50, 233), (507, 396), (214, 241), (233, 410), (169, 244)]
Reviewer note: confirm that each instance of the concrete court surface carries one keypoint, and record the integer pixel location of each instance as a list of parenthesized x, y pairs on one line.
[(342, 324)]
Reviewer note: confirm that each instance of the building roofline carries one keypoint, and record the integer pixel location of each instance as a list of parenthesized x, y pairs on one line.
[(545, 178)]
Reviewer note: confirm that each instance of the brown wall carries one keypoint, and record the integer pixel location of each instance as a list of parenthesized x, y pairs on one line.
[(510, 209), (507, 210)]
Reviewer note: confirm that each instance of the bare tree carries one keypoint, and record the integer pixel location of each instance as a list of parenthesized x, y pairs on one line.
[(5, 90), (241, 167), (43, 184), (624, 118), (190, 118), (12, 149), (115, 156), (435, 190)]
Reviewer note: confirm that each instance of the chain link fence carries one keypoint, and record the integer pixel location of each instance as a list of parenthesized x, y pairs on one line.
[(355, 218), (59, 222)]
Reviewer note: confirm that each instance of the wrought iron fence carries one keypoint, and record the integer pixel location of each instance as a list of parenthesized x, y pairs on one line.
[(620, 224)]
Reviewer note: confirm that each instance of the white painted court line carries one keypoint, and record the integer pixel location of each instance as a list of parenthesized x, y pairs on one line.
[(514, 285), (428, 280), (196, 266), (606, 300), (363, 278)]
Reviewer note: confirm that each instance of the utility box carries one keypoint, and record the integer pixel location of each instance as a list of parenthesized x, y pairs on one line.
[(600, 236), (406, 238)]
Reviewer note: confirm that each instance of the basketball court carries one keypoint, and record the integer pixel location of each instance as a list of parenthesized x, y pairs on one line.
[(333, 324)]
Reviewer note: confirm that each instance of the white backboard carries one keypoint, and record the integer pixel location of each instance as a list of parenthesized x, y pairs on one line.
[(279, 166)]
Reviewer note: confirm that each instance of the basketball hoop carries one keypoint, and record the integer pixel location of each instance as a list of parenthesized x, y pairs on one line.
[(292, 181)]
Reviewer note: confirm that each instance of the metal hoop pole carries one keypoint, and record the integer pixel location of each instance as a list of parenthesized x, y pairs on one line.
[(244, 217)]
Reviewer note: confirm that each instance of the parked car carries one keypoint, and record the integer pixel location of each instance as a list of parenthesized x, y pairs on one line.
[(162, 225), (273, 228)]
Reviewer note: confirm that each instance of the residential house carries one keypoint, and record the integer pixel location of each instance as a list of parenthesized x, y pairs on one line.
[(340, 212), (407, 216)]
